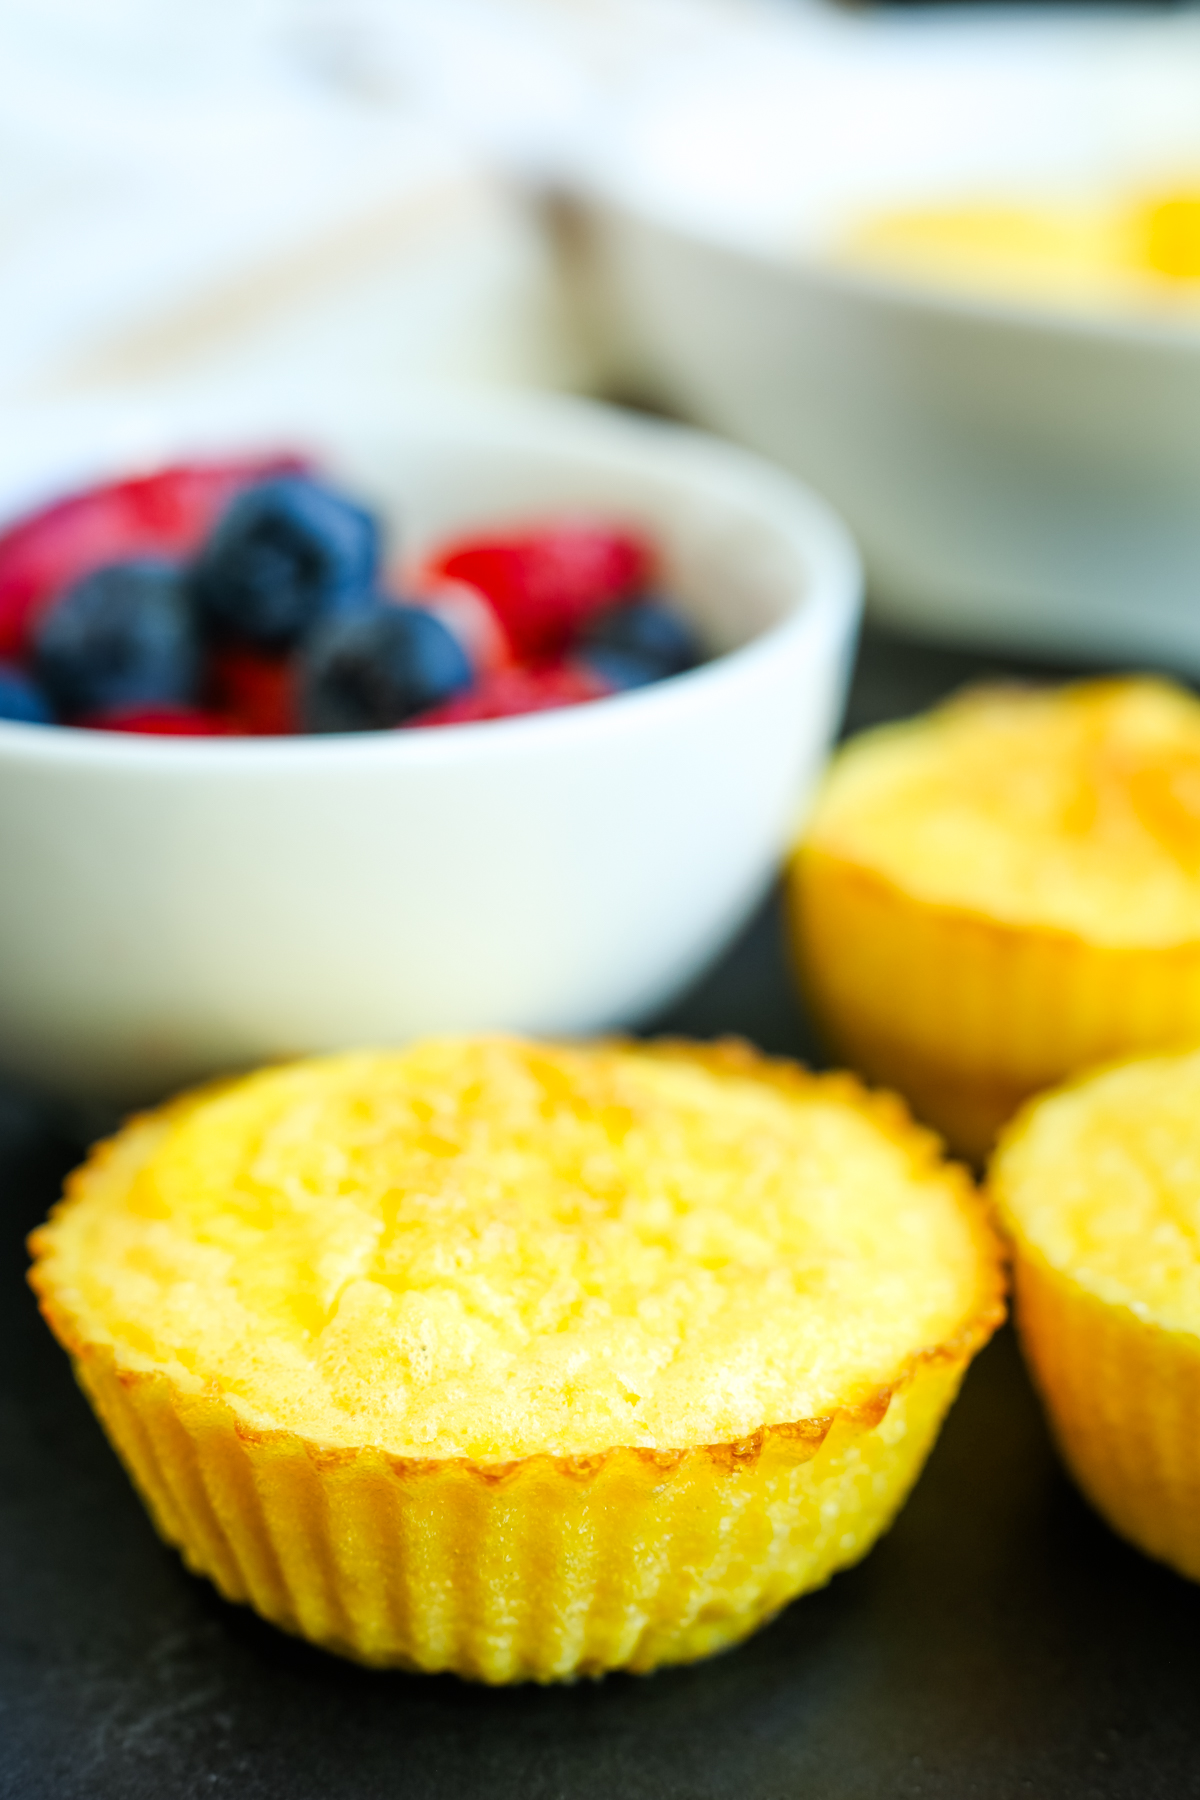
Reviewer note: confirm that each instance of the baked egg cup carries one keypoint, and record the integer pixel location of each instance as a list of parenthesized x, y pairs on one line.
[(519, 1360), (1097, 1187), (1004, 891)]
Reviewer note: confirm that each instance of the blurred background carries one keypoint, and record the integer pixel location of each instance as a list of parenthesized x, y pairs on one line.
[(944, 262)]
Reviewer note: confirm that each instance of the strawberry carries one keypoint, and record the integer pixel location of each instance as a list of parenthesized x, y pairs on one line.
[(257, 689), (165, 514), (545, 582), (508, 693), (163, 721)]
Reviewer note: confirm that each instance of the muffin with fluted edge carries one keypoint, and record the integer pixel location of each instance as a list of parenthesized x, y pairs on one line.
[(521, 1360), (1098, 1185), (993, 896)]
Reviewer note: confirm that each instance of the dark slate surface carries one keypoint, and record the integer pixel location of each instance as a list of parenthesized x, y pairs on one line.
[(999, 1643)]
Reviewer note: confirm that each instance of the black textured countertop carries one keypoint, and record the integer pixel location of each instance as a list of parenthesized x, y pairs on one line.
[(999, 1642)]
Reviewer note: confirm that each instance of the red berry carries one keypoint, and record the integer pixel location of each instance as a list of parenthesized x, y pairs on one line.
[(163, 721), (258, 690), (507, 693), (544, 583), (165, 514)]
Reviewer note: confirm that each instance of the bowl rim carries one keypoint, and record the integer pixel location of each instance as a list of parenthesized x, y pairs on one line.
[(1164, 336), (818, 538)]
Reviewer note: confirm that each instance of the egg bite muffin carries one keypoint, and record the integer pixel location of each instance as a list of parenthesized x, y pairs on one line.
[(1098, 1186), (1121, 250), (521, 1360), (995, 895)]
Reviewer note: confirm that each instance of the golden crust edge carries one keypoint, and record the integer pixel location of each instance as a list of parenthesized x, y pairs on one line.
[(729, 1055), (818, 840), (804, 1437), (1019, 1245), (957, 914)]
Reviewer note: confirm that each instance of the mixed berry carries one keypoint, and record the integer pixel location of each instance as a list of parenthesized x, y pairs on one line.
[(252, 598)]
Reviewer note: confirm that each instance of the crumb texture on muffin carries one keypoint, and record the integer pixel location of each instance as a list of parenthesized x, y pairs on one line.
[(1099, 1187), (522, 1361), (492, 1249), (1073, 808), (1102, 1182), (1005, 891)]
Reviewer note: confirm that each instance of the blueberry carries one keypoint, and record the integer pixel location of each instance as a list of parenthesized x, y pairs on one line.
[(285, 554), (21, 700), (620, 670), (371, 670), (121, 637), (643, 641)]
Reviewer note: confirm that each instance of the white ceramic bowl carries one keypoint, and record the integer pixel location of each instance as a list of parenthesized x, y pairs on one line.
[(172, 907), (1014, 475)]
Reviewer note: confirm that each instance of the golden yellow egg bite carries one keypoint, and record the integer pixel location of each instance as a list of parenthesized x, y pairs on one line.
[(1126, 252), (519, 1360), (1098, 1186), (995, 895)]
